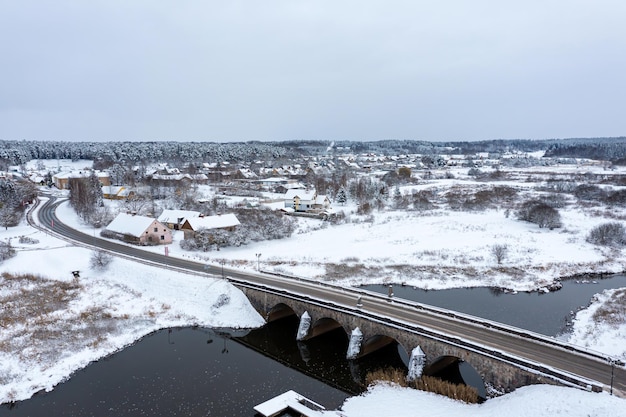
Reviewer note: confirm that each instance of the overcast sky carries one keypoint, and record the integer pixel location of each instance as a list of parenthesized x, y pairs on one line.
[(277, 70)]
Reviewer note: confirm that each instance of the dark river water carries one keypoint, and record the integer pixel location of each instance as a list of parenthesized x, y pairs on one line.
[(201, 372), (547, 314)]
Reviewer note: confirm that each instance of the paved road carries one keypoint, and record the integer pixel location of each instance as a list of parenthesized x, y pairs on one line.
[(533, 348)]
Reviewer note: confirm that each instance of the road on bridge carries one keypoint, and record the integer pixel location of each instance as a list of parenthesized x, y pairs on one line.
[(552, 354)]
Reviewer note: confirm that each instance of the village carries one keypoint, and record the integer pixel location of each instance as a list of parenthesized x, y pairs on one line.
[(153, 200)]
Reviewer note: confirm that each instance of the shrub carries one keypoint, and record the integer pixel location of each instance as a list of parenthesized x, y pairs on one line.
[(608, 234), (26, 240), (474, 172), (539, 213), (100, 260), (426, 383), (589, 192), (422, 200)]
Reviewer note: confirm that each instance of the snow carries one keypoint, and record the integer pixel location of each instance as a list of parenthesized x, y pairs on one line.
[(213, 222), (437, 250), (138, 298), (130, 224), (142, 299), (535, 400), (608, 336), (174, 216), (354, 346)]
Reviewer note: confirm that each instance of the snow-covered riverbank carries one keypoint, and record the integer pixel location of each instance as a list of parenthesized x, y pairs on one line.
[(130, 300)]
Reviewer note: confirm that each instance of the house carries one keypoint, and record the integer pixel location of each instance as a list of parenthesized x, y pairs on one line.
[(220, 221), (137, 229), (61, 180), (174, 219), (321, 203), (300, 199), (245, 174), (116, 192)]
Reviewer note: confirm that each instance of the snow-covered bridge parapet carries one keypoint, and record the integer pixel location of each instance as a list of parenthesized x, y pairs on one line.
[(497, 368)]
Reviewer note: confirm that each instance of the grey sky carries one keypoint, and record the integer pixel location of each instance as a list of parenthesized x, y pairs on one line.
[(277, 70)]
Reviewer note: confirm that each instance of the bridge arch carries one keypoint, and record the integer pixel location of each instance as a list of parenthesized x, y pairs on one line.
[(503, 373), (324, 325), (279, 311), (373, 343)]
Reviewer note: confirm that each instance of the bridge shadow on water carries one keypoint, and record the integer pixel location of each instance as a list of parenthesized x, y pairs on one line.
[(324, 357)]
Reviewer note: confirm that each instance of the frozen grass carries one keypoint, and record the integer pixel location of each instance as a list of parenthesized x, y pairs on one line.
[(460, 392)]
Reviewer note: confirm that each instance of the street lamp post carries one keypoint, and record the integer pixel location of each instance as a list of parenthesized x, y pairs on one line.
[(614, 362), (258, 261), (222, 262)]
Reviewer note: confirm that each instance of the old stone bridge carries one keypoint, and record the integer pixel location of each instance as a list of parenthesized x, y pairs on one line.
[(501, 370)]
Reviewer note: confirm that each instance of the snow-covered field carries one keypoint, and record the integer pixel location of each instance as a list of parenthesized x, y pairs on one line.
[(438, 250), (48, 334)]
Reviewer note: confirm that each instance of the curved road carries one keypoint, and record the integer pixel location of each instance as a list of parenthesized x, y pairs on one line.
[(516, 345)]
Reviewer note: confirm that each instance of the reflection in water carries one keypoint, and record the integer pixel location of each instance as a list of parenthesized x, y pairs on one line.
[(187, 372), (323, 357)]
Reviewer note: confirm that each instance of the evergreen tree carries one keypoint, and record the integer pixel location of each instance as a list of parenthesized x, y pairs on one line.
[(341, 197)]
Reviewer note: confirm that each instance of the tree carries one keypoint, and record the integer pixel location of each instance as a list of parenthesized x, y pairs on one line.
[(608, 234), (404, 173), (8, 216), (6, 251), (500, 252), (540, 213), (86, 196), (118, 174), (14, 198), (100, 260), (341, 196)]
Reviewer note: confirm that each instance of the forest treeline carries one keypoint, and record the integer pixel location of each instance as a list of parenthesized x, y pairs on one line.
[(13, 152)]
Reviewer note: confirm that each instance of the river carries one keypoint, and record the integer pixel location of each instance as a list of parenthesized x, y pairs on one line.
[(203, 372)]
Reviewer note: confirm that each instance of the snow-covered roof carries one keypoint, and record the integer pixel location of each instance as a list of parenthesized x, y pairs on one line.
[(303, 194), (112, 189), (320, 199), (129, 224), (173, 216), (171, 177), (213, 222)]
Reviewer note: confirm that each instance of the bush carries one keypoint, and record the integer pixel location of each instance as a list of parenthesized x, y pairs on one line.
[(608, 234), (460, 392), (474, 172), (589, 192), (26, 240), (539, 213), (100, 260)]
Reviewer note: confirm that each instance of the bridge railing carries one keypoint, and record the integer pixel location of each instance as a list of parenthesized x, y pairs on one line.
[(561, 375), (467, 318)]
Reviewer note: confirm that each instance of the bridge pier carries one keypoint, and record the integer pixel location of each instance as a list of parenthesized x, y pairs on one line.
[(500, 372), (416, 364), (354, 346), (303, 327)]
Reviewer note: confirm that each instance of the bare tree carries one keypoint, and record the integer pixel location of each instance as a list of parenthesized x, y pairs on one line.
[(100, 260), (8, 216), (6, 250), (540, 213), (500, 251), (608, 234)]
